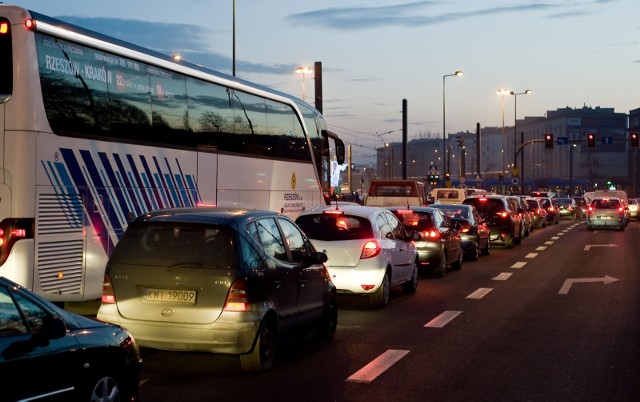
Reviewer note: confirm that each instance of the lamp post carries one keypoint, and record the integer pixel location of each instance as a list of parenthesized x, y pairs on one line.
[(444, 137), (234, 38), (515, 120), (503, 92), (303, 70)]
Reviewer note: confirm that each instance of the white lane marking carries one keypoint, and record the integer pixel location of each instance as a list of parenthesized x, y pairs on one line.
[(588, 246), (531, 255), (560, 234), (566, 286), (555, 238), (443, 319), (519, 264), (541, 248), (377, 366), (548, 243), (480, 293), (502, 276)]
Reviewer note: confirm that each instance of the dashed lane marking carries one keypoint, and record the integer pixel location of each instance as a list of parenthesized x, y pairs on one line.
[(531, 255), (555, 238), (480, 293), (377, 366), (502, 276), (541, 248), (548, 243), (443, 319), (519, 264)]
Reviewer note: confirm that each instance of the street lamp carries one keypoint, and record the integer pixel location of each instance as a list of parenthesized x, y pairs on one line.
[(515, 120), (503, 92), (444, 141), (304, 71)]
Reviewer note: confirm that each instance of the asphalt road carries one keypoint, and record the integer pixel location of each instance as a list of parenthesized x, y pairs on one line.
[(554, 319)]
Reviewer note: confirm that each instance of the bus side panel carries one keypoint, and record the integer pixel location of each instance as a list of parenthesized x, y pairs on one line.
[(208, 175)]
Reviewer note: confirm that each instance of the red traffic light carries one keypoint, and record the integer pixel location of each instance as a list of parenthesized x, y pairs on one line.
[(548, 141), (591, 140), (634, 140)]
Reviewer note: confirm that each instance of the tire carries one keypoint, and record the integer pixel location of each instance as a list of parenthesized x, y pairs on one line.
[(475, 253), (380, 299), (263, 354), (457, 265), (441, 271), (517, 240), (509, 242), (412, 285), (329, 320), (487, 249), (106, 389)]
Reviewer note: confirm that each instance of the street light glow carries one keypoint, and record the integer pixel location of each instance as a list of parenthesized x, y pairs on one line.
[(444, 136), (304, 70)]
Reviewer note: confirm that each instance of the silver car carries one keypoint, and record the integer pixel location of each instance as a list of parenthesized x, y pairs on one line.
[(369, 250), (219, 281), (606, 213)]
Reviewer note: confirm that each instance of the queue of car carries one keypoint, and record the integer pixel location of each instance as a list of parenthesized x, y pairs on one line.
[(237, 282)]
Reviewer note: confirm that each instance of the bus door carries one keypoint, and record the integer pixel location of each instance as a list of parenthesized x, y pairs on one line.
[(207, 185)]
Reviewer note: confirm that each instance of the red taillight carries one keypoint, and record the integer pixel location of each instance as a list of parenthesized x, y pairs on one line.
[(30, 24), (430, 235), (370, 249), (589, 210), (11, 231), (503, 214), (108, 297), (621, 210), (238, 298), (333, 212), (551, 208)]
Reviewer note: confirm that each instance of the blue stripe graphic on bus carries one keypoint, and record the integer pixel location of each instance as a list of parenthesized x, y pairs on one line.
[(112, 186)]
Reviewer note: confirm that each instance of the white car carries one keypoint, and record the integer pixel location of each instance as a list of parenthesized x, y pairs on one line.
[(368, 249)]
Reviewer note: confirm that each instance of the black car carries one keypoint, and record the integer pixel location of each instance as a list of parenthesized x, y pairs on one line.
[(553, 218), (50, 354), (502, 218), (472, 228), (440, 244)]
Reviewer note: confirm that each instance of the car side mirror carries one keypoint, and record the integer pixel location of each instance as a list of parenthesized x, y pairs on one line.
[(315, 258)]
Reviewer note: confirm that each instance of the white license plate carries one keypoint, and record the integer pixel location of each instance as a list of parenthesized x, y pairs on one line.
[(604, 218), (170, 295)]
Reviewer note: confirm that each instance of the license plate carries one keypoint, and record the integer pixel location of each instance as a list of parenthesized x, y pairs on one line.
[(604, 218), (170, 295)]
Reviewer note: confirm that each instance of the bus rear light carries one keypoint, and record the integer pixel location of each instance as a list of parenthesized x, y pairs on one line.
[(4, 28), (11, 231), (30, 24)]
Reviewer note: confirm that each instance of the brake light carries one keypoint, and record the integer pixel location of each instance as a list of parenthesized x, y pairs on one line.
[(621, 210), (551, 208), (370, 249), (503, 214), (108, 296), (4, 27), (590, 209), (11, 231), (333, 212), (30, 24), (237, 298), (430, 235), (465, 228)]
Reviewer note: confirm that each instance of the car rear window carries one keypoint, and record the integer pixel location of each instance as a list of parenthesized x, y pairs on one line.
[(177, 244), (335, 227), (454, 212), (486, 206), (415, 220), (606, 204)]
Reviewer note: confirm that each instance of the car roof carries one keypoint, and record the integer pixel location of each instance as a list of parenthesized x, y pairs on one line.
[(356, 210), (204, 215)]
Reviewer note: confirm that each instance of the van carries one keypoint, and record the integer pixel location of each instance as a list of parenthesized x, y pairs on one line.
[(448, 195), (390, 192)]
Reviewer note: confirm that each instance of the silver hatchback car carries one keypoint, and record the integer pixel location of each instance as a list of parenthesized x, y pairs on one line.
[(606, 213), (219, 281), (369, 250)]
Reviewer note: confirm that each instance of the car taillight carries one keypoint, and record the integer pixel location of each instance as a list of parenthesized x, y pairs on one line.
[(589, 210), (237, 298), (108, 297), (465, 228), (503, 214), (370, 249), (621, 210), (551, 209), (11, 231), (430, 235)]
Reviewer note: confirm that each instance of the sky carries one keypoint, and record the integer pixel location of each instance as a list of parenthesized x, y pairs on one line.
[(377, 53)]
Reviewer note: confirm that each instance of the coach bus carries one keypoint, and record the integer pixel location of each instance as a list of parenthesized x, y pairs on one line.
[(95, 131)]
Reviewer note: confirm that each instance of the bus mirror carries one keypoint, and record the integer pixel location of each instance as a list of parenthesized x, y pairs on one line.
[(131, 216), (339, 152)]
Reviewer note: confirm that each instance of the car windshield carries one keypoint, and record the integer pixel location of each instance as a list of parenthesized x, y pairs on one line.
[(177, 244), (335, 227), (562, 201), (486, 206), (454, 211)]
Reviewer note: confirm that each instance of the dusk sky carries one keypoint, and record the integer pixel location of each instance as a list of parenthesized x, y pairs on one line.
[(375, 53)]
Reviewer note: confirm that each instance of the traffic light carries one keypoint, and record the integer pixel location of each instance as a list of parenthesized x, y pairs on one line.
[(548, 141), (633, 139), (591, 140), (460, 141)]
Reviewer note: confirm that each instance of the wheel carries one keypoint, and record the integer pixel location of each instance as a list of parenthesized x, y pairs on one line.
[(441, 270), (381, 297), (487, 249), (457, 265), (105, 390), (329, 320), (589, 227), (517, 240), (509, 242), (475, 253), (263, 354), (412, 285)]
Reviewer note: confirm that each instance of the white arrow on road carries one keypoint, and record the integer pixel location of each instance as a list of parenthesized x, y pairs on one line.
[(588, 246), (569, 282)]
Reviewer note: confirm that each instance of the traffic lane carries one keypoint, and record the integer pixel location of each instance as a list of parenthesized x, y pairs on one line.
[(524, 341)]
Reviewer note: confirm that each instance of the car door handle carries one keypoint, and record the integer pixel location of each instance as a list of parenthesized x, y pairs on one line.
[(303, 283)]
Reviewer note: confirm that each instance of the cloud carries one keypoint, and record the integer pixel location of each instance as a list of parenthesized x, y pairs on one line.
[(407, 14), (190, 41)]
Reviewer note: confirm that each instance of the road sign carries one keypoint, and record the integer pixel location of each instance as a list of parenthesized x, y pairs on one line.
[(562, 140), (433, 169), (514, 171), (514, 181), (606, 140)]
